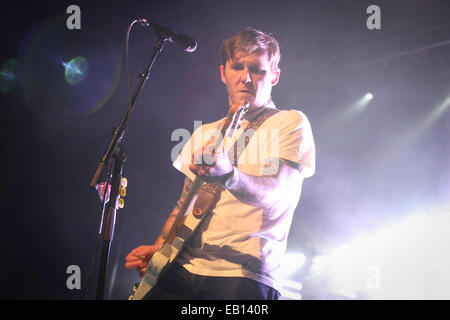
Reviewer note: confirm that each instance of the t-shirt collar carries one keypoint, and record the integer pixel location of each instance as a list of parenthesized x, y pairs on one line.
[(250, 116)]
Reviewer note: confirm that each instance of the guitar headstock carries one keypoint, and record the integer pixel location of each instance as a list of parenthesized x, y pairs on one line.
[(237, 117)]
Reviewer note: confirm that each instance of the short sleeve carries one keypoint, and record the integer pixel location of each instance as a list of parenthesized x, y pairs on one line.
[(295, 140)]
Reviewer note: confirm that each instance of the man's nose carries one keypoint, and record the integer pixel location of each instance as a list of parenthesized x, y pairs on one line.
[(246, 76)]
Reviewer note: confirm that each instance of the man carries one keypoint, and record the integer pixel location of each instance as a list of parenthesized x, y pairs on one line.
[(236, 250)]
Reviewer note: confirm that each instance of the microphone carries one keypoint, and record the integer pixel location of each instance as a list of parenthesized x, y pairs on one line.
[(184, 42)]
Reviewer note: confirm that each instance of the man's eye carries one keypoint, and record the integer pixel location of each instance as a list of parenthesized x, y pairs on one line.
[(237, 67), (258, 70)]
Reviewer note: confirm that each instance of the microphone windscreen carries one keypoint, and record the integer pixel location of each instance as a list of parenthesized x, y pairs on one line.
[(186, 43)]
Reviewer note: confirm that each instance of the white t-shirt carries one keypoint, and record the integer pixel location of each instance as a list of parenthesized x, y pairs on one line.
[(240, 240)]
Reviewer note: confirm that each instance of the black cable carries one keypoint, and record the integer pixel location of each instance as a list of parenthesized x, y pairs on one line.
[(127, 67), (94, 254)]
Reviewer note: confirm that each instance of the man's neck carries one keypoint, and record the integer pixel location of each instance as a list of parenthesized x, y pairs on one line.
[(255, 112)]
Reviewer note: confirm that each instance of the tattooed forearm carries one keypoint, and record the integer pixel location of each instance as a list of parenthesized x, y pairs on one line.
[(255, 191), (265, 191), (187, 186), (165, 232), (179, 204)]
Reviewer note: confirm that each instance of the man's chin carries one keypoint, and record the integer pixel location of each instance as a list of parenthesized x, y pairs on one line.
[(245, 98), (251, 102)]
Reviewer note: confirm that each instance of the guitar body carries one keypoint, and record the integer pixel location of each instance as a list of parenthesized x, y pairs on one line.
[(161, 260)]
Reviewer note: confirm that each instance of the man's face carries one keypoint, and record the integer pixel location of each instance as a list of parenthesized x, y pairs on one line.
[(249, 77)]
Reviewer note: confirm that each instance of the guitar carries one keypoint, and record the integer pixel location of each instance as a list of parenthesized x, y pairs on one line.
[(186, 221)]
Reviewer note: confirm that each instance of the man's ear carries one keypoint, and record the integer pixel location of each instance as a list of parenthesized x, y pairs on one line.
[(222, 73), (275, 77)]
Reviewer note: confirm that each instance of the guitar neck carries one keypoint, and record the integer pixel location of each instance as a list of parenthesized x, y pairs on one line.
[(187, 203), (232, 122)]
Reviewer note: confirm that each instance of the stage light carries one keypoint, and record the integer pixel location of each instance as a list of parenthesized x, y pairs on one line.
[(348, 114), (404, 141), (75, 70), (440, 109), (368, 96), (363, 101)]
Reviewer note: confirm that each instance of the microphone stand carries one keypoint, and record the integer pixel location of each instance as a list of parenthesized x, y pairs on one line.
[(117, 155)]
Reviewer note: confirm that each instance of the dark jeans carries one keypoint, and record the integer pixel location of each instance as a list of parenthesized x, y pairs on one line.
[(179, 284)]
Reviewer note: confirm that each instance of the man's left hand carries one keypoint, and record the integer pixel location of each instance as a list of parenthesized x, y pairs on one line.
[(211, 165)]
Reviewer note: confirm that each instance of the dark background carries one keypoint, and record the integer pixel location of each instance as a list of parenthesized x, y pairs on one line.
[(375, 166)]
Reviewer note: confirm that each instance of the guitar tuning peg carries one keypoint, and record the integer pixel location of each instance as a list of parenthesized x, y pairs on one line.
[(124, 182), (123, 191), (121, 203)]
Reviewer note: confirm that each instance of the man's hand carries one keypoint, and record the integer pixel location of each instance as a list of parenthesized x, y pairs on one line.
[(139, 258), (211, 165)]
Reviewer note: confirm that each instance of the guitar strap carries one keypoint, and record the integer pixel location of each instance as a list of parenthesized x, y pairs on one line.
[(209, 194)]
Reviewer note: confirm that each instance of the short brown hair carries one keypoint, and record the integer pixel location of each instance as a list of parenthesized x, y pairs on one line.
[(251, 41)]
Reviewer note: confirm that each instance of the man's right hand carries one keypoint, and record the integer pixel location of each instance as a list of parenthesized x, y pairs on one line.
[(139, 258)]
